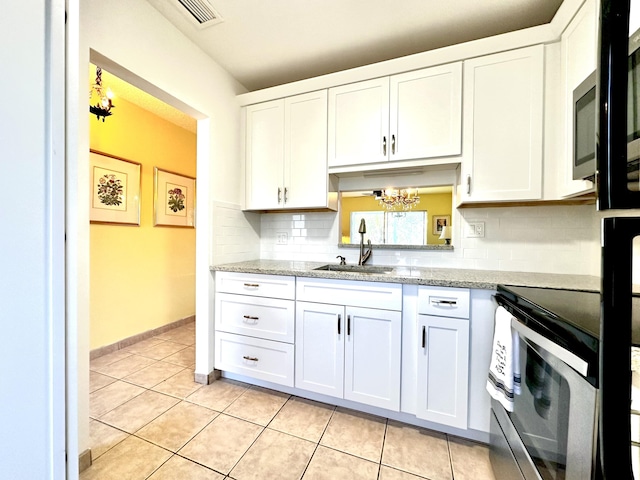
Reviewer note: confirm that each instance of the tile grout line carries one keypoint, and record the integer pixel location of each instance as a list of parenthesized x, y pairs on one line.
[(384, 440), (318, 442), (264, 427)]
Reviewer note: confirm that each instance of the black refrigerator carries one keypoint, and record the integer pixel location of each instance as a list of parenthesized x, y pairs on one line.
[(618, 199)]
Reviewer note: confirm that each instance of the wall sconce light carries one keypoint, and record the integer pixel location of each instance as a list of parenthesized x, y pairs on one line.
[(445, 234), (104, 105)]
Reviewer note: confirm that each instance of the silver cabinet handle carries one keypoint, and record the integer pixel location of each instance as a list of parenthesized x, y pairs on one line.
[(424, 336), (468, 184), (393, 144), (285, 195), (252, 285), (444, 302), (384, 145), (339, 320), (279, 194), (251, 359)]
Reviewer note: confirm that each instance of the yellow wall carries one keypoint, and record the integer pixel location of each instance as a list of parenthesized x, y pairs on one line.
[(435, 204), (141, 277)]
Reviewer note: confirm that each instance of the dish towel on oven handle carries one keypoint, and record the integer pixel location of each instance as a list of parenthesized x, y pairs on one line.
[(504, 371)]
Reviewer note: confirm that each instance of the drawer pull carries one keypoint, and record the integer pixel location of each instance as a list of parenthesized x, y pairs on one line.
[(252, 285), (444, 302), (249, 317), (251, 359), (424, 336)]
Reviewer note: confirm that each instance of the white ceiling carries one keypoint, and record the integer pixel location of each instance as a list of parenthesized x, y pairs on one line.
[(266, 43), (263, 44)]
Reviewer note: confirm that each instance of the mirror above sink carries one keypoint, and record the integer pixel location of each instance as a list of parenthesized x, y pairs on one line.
[(416, 221)]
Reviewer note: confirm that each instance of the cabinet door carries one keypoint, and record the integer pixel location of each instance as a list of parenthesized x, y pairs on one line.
[(425, 114), (359, 123), (579, 59), (319, 355), (503, 120), (264, 154), (443, 366), (305, 151), (372, 357)]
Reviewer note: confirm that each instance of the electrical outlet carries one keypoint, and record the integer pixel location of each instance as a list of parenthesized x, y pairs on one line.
[(475, 230), (282, 238)]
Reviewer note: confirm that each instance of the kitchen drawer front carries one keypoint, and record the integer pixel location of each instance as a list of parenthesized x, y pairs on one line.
[(254, 357), (268, 318), (257, 285), (384, 296), (444, 301)]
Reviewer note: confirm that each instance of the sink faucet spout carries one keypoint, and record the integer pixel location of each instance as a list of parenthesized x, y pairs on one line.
[(364, 256)]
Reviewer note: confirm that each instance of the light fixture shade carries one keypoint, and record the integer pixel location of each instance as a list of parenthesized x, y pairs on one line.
[(445, 233)]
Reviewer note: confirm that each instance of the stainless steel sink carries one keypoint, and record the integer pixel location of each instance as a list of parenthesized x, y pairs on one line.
[(356, 268)]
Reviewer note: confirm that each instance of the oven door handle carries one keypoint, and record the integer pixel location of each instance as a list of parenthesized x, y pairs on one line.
[(553, 348)]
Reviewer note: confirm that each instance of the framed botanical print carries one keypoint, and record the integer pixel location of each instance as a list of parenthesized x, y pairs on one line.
[(174, 199), (114, 190)]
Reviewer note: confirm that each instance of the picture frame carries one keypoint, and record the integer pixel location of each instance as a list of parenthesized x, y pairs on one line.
[(114, 191), (440, 221), (174, 197)]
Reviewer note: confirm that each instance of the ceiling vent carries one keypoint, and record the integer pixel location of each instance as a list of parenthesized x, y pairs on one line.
[(200, 12)]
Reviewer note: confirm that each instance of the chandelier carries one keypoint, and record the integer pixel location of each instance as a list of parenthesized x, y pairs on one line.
[(104, 105), (391, 198)]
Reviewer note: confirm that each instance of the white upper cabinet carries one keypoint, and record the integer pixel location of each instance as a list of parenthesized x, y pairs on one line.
[(426, 113), (264, 155), (409, 116), (286, 153), (579, 52), (503, 125), (359, 122)]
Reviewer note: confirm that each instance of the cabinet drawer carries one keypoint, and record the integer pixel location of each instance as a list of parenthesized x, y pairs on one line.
[(257, 285), (254, 357), (268, 318), (444, 301), (385, 296)]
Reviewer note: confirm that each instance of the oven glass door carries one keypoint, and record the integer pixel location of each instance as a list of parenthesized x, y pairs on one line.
[(541, 411)]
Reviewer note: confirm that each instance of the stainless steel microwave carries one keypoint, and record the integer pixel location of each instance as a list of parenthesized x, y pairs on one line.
[(584, 119)]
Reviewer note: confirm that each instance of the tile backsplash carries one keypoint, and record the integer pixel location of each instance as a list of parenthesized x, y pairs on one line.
[(549, 239)]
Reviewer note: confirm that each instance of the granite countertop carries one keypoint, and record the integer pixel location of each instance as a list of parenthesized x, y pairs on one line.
[(444, 277)]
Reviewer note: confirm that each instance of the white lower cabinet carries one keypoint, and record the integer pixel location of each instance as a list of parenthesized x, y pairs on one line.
[(443, 356), (443, 370), (255, 357), (254, 325), (344, 339), (350, 352)]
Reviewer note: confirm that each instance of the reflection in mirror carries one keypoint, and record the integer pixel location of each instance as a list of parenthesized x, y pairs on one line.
[(418, 224)]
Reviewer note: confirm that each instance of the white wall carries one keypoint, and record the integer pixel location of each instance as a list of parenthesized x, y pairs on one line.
[(549, 239), (32, 440), (146, 49)]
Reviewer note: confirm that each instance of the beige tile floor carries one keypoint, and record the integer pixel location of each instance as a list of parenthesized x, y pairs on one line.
[(150, 420)]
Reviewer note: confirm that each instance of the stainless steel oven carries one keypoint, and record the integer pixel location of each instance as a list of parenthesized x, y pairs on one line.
[(552, 432)]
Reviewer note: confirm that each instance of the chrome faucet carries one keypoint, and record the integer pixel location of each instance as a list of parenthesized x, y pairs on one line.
[(363, 256)]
